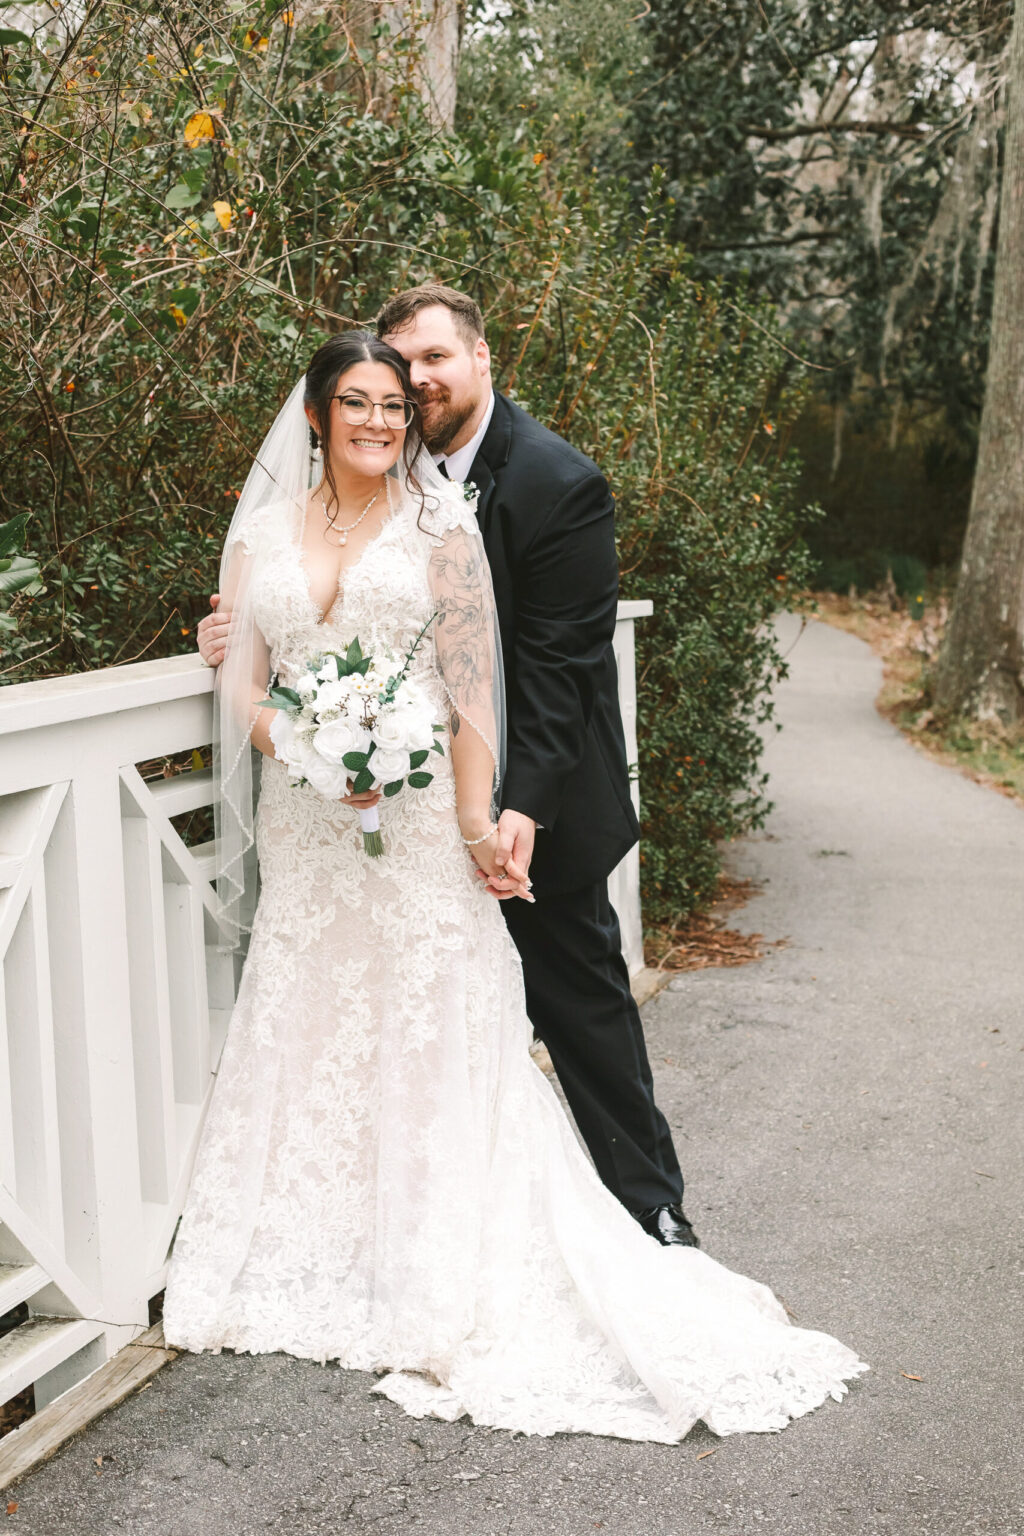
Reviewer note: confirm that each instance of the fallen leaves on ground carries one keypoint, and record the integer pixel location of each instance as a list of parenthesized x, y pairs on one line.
[(16, 1411), (702, 941)]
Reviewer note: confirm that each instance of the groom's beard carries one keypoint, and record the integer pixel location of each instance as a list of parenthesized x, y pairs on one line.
[(442, 418)]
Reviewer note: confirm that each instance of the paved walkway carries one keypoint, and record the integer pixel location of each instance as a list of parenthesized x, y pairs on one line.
[(849, 1115)]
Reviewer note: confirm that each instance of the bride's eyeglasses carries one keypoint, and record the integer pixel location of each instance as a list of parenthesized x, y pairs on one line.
[(357, 410)]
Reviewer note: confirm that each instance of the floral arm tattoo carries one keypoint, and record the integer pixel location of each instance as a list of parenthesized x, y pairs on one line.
[(464, 632)]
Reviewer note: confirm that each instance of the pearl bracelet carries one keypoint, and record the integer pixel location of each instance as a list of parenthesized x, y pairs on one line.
[(471, 842)]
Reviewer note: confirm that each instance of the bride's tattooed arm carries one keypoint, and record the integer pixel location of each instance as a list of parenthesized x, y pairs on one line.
[(464, 628)]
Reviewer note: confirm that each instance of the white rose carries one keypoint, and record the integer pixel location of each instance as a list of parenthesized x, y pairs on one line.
[(329, 671), (388, 764), (306, 686), (332, 695), (287, 748), (405, 726), (339, 736), (328, 778), (391, 732)]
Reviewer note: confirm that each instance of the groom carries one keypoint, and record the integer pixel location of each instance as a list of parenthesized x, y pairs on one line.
[(547, 519)]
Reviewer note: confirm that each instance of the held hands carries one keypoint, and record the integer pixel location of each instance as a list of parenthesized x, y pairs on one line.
[(503, 859)]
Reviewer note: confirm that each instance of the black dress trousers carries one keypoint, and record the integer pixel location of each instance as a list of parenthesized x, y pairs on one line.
[(580, 1004)]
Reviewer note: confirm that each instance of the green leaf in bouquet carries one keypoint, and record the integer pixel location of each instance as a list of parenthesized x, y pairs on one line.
[(286, 698), (356, 760), (420, 780), (417, 759), (362, 782), (354, 654), (437, 747), (393, 787)]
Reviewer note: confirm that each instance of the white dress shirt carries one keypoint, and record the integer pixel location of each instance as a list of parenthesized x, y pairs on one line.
[(459, 463)]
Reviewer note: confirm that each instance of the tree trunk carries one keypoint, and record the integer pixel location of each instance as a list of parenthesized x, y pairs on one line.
[(419, 51), (422, 54), (981, 667)]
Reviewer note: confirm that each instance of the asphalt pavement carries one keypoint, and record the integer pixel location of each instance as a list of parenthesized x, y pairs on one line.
[(848, 1114)]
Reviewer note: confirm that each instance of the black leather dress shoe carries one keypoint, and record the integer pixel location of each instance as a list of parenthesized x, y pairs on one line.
[(667, 1225)]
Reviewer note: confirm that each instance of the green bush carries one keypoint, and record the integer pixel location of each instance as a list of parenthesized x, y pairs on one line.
[(188, 218), (18, 573)]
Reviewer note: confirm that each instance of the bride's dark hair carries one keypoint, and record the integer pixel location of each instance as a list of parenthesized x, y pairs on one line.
[(327, 367)]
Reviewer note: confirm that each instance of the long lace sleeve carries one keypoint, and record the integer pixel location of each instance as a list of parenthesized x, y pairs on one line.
[(466, 624)]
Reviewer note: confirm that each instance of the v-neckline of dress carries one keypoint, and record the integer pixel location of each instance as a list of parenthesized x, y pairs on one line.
[(345, 570)]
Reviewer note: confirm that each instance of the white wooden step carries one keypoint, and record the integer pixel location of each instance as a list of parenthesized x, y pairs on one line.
[(10, 864), (18, 1282), (32, 1442), (39, 1345), (183, 792), (205, 855)]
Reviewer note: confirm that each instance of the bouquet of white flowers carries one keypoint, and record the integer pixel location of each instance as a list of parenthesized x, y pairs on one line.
[(359, 717)]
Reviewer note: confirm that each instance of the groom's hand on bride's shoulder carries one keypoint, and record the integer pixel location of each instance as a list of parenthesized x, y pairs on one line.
[(212, 633)]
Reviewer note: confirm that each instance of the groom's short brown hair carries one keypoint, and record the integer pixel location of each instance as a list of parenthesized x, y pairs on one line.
[(400, 311)]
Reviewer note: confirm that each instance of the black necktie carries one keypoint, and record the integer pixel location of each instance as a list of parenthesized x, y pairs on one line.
[(443, 467)]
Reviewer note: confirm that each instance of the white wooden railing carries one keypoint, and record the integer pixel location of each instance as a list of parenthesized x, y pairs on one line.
[(624, 884), (115, 993)]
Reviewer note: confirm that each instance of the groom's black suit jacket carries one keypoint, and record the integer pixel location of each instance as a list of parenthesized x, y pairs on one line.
[(548, 526)]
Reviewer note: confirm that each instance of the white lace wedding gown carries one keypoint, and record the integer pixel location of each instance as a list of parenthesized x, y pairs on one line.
[(385, 1178)]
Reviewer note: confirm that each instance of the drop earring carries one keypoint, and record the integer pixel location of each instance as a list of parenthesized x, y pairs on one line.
[(316, 453)]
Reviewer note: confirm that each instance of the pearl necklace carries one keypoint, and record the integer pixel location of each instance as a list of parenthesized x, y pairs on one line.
[(342, 528)]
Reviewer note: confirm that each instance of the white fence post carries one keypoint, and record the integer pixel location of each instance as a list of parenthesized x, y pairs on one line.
[(624, 881)]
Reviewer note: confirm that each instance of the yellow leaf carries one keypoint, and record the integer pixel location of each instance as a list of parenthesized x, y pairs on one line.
[(179, 314), (197, 760), (288, 17), (198, 129), (197, 51), (255, 41), (223, 212)]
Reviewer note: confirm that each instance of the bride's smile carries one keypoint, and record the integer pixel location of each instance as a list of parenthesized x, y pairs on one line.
[(362, 431)]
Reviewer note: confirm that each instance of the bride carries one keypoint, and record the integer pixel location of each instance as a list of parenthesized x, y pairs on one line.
[(385, 1178)]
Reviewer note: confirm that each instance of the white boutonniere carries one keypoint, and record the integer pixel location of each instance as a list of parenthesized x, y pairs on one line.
[(470, 490)]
